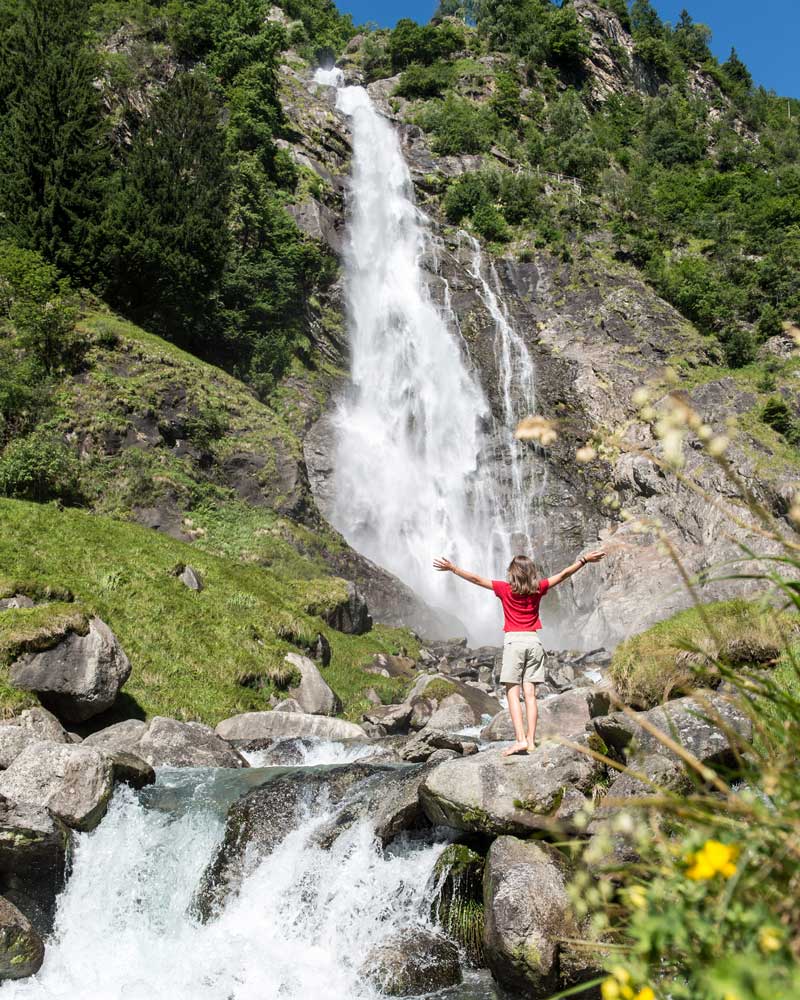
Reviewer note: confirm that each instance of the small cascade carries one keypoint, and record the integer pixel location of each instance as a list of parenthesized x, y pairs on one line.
[(300, 927), (517, 387)]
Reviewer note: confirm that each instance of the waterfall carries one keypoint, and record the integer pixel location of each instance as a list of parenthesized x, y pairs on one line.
[(300, 927), (413, 476)]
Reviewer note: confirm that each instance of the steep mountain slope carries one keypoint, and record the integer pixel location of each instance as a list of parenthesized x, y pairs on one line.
[(544, 145)]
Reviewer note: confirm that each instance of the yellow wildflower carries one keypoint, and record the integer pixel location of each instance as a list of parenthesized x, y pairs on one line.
[(770, 939), (637, 897), (609, 989), (645, 993), (714, 858)]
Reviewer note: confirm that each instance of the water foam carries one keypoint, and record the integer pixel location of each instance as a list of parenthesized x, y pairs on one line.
[(300, 927)]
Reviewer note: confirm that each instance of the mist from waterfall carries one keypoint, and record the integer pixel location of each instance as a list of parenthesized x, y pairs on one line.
[(412, 472)]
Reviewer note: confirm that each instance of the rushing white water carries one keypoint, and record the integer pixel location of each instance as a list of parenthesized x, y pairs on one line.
[(412, 478), (300, 927), (315, 754)]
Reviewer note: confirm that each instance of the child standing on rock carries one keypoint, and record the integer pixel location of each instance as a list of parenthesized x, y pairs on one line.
[(523, 653)]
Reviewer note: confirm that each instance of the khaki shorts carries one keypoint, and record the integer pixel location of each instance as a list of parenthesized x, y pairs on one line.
[(524, 659)]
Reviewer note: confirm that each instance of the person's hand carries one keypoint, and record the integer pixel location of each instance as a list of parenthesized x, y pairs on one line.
[(595, 556), (443, 565)]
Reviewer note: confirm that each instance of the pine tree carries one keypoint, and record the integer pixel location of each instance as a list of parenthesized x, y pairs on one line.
[(54, 160), (645, 20), (167, 223), (737, 71)]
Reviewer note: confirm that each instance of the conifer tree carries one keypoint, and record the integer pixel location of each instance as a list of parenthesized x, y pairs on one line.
[(53, 156), (167, 223)]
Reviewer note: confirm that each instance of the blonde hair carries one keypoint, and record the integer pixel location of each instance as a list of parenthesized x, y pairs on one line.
[(522, 576)]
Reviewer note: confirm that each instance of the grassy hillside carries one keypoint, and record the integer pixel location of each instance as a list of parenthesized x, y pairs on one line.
[(189, 650)]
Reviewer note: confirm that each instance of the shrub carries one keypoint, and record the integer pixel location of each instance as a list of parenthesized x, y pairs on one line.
[(424, 81), (460, 126), (39, 467), (489, 222), (416, 43), (48, 331), (464, 195), (777, 415), (673, 656), (25, 392), (740, 346)]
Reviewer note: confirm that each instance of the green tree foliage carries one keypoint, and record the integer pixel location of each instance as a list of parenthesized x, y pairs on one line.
[(39, 467), (167, 222), (460, 126), (645, 21), (777, 414), (737, 72), (692, 40), (536, 30), (506, 102), (53, 157), (425, 81), (416, 43)]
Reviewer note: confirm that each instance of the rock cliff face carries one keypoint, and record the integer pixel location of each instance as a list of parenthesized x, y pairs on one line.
[(596, 333)]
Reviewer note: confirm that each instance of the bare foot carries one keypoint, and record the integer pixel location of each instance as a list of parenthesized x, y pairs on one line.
[(531, 746), (515, 748)]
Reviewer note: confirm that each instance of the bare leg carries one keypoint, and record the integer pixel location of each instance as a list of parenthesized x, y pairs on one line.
[(515, 710), (532, 711)]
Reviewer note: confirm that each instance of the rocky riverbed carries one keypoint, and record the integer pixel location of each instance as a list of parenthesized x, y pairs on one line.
[(321, 824)]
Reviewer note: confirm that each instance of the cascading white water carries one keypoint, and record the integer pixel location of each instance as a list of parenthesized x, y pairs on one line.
[(300, 927), (411, 478)]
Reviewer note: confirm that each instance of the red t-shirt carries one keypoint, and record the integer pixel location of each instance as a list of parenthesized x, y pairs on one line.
[(521, 610)]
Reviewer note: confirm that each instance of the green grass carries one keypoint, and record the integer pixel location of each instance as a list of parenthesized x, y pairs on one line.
[(670, 657), (187, 649)]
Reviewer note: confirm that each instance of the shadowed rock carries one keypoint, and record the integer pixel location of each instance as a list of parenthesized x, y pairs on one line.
[(79, 677), (527, 916), (35, 849), (21, 948), (313, 694)]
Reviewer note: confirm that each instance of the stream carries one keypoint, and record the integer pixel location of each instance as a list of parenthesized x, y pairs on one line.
[(299, 928)]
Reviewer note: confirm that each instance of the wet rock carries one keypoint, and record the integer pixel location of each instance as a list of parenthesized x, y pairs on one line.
[(43, 724), (491, 794), (130, 769), (412, 962), (262, 818), (440, 756), (73, 782), (456, 887), (284, 753), (13, 740), (453, 714), (560, 715), (21, 948), (422, 746), (261, 725), (121, 736), (169, 743), (79, 677), (313, 695), (527, 916), (350, 616), (35, 850)]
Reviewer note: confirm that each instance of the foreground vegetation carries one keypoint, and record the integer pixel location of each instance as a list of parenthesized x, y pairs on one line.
[(694, 896), (202, 656)]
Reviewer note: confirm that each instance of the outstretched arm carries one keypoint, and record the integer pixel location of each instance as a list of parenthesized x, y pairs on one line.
[(590, 557), (445, 566)]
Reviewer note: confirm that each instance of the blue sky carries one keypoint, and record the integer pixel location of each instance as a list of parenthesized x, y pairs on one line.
[(766, 34)]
